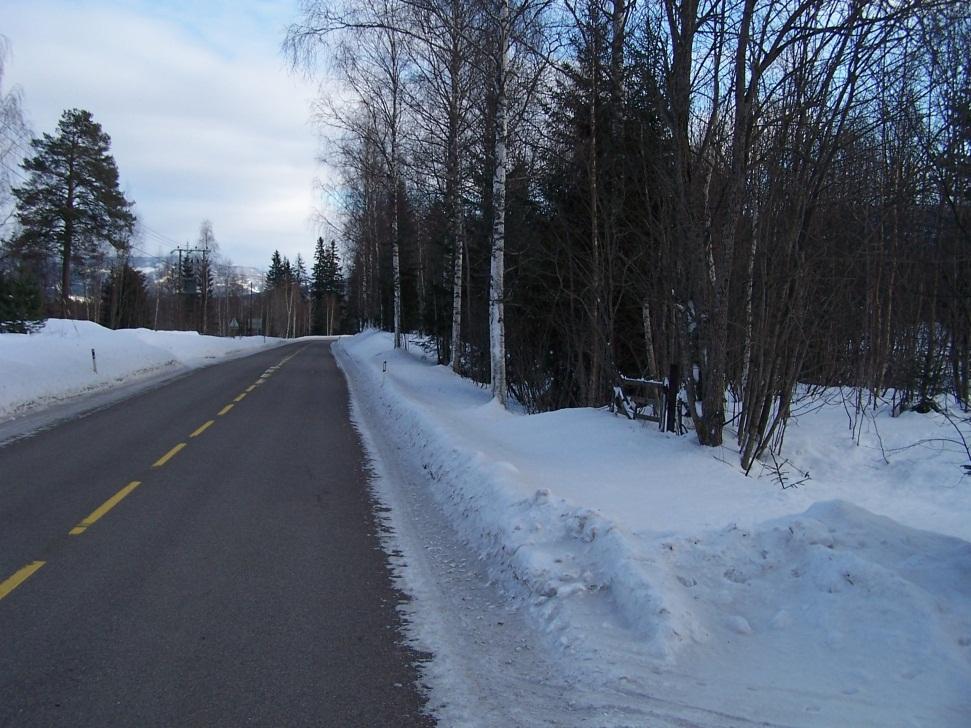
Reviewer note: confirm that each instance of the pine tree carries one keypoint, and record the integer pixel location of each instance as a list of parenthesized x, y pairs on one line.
[(71, 205)]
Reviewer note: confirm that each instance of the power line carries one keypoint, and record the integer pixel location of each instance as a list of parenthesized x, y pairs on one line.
[(155, 234), (160, 236), (15, 171), (21, 147)]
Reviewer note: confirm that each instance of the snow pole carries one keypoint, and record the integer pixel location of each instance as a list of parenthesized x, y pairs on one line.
[(94, 362)]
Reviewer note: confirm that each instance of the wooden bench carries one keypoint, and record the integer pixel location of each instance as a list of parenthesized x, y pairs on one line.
[(640, 399), (650, 399)]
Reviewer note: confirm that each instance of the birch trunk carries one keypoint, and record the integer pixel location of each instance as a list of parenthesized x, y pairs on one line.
[(497, 327), (457, 240), (395, 260), (652, 368), (454, 189)]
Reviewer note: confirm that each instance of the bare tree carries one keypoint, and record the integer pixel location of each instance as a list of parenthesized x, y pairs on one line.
[(371, 55), (14, 139)]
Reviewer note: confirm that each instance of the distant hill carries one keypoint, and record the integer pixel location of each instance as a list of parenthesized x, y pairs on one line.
[(153, 268)]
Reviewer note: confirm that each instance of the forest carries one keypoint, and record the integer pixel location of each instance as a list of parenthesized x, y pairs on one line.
[(727, 205), (756, 199)]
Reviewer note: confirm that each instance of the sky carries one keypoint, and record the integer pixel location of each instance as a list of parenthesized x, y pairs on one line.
[(206, 120)]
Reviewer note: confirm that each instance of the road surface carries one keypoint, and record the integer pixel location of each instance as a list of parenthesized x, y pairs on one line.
[(202, 554)]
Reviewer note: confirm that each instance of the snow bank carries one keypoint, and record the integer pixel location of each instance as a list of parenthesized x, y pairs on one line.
[(657, 568), (54, 364)]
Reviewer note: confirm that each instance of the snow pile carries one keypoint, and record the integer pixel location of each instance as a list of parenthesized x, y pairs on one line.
[(657, 569), (54, 364)]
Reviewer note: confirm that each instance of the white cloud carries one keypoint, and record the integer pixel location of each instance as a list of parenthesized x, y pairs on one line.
[(205, 120)]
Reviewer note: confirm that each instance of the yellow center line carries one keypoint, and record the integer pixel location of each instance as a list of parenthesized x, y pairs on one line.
[(240, 397), (19, 578), (251, 387), (202, 428), (104, 508), (168, 456), (225, 409)]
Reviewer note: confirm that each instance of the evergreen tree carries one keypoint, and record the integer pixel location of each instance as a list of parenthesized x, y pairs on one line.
[(300, 273), (274, 276), (286, 276), (188, 292), (326, 287), (125, 299), (316, 287), (189, 283), (318, 276), (205, 286), (319, 270), (71, 205), (20, 305)]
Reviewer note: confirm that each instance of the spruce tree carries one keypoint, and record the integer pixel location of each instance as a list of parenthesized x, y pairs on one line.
[(318, 285), (336, 285), (71, 205), (188, 290), (300, 272), (274, 276), (20, 305), (326, 287)]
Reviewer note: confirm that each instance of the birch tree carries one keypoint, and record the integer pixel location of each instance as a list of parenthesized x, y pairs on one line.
[(14, 139), (370, 52), (448, 64)]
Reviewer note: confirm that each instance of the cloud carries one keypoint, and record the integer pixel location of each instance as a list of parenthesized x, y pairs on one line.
[(205, 120)]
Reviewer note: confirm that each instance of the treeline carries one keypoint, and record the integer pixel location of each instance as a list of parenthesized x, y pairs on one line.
[(68, 250), (298, 304), (748, 195), (198, 290)]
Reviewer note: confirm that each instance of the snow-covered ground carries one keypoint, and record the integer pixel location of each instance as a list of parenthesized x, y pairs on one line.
[(575, 568), (54, 365), (656, 580)]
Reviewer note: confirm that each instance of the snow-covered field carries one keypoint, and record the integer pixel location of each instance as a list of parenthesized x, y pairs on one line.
[(54, 365), (653, 567)]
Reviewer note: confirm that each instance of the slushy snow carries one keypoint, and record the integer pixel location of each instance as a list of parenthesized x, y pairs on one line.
[(653, 567)]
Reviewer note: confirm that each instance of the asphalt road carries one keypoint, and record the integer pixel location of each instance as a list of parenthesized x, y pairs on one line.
[(235, 580)]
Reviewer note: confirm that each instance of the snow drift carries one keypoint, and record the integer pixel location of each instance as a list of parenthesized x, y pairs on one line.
[(54, 364), (657, 568)]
